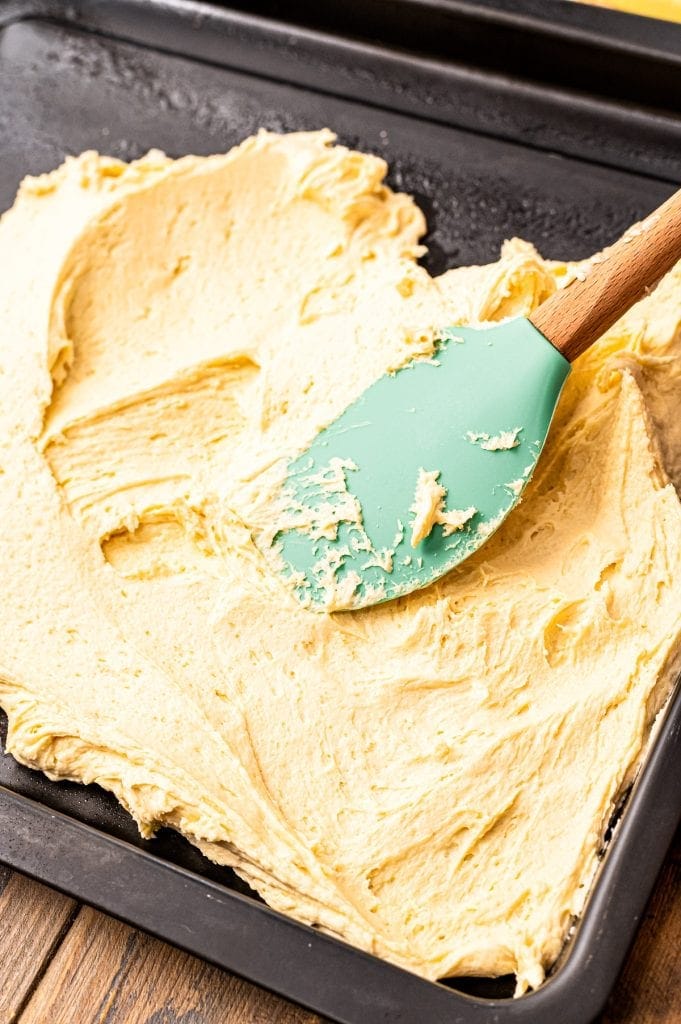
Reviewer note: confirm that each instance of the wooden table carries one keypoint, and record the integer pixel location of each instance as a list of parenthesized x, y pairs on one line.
[(63, 963)]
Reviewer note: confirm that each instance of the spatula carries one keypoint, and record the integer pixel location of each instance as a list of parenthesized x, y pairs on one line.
[(427, 463)]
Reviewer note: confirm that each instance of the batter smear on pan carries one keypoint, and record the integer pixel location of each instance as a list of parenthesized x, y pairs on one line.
[(172, 333)]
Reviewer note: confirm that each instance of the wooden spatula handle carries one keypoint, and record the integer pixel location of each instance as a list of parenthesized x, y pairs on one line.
[(576, 316)]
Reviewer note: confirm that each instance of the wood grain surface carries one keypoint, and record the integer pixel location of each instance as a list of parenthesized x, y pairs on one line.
[(61, 963)]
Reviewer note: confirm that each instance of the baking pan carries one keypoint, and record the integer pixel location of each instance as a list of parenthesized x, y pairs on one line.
[(488, 152), (552, 41)]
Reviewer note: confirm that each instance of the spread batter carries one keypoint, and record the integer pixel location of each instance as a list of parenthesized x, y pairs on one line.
[(430, 778)]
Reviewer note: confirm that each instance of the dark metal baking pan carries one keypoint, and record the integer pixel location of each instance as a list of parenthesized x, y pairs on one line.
[(125, 75), (451, 84), (556, 42)]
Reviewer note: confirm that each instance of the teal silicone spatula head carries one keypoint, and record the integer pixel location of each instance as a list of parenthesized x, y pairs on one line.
[(419, 472)]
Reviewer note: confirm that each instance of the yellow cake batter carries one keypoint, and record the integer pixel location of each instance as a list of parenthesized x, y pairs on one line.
[(430, 778)]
